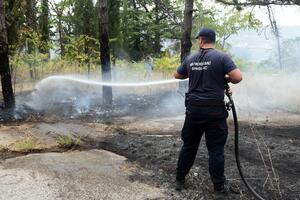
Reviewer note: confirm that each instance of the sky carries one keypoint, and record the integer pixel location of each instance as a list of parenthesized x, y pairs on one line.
[(256, 47), (284, 15)]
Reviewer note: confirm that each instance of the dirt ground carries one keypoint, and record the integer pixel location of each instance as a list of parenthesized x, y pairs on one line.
[(152, 146), (144, 133)]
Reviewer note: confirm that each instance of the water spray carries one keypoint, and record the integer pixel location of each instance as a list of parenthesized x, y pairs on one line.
[(77, 94), (230, 106), (100, 83)]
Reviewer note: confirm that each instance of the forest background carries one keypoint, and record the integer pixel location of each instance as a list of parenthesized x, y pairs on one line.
[(48, 37)]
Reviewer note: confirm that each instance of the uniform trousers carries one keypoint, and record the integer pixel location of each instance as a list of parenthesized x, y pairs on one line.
[(211, 121)]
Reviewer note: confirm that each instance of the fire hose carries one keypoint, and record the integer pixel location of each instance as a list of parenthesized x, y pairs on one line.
[(230, 106)]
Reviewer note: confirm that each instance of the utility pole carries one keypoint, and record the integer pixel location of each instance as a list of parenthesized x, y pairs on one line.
[(105, 54), (7, 91)]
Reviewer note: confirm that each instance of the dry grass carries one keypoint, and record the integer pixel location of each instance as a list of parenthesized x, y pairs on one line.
[(2, 148), (68, 141), (272, 179), (25, 145)]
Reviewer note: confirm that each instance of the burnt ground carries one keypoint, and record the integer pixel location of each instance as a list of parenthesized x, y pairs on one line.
[(156, 154), (154, 148)]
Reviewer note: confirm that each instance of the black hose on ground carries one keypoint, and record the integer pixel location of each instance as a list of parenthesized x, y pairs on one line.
[(230, 105)]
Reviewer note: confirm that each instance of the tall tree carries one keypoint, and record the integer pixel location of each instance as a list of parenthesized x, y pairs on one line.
[(15, 19), (84, 25), (59, 10), (187, 25), (105, 52), (157, 34), (7, 91), (31, 23), (275, 31), (44, 26), (186, 43), (145, 23), (114, 25), (84, 18)]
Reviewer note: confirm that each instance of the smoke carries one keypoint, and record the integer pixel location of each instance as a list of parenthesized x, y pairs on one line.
[(260, 96), (51, 93), (75, 96)]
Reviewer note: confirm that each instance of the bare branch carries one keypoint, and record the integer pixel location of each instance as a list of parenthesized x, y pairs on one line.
[(260, 2)]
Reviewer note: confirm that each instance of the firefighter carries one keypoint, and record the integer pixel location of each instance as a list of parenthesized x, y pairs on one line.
[(207, 71)]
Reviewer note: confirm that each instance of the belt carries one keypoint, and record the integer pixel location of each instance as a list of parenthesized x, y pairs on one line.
[(205, 102)]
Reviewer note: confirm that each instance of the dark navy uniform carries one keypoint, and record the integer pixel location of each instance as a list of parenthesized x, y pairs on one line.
[(205, 111)]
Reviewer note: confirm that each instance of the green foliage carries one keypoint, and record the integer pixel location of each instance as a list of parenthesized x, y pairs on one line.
[(83, 49), (233, 21), (167, 63), (145, 24), (45, 67), (25, 145), (14, 26), (243, 65), (30, 60), (136, 28), (68, 141), (226, 22), (44, 24), (84, 18), (35, 59), (3, 148), (114, 13)]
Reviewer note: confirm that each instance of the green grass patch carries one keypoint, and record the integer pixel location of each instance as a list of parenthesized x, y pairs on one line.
[(68, 141), (2, 148), (25, 145)]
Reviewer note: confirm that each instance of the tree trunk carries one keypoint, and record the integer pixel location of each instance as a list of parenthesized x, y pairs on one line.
[(276, 34), (7, 91), (31, 22), (44, 26), (114, 25), (61, 37), (105, 54), (157, 45), (279, 51), (87, 31), (87, 52), (157, 35), (11, 25), (186, 43)]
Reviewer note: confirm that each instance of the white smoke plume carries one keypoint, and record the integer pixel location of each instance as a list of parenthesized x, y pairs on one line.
[(268, 96), (258, 96)]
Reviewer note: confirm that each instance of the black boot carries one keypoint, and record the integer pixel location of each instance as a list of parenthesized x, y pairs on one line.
[(226, 188), (180, 184)]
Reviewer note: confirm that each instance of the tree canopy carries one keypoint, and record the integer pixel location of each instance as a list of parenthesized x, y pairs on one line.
[(136, 28)]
